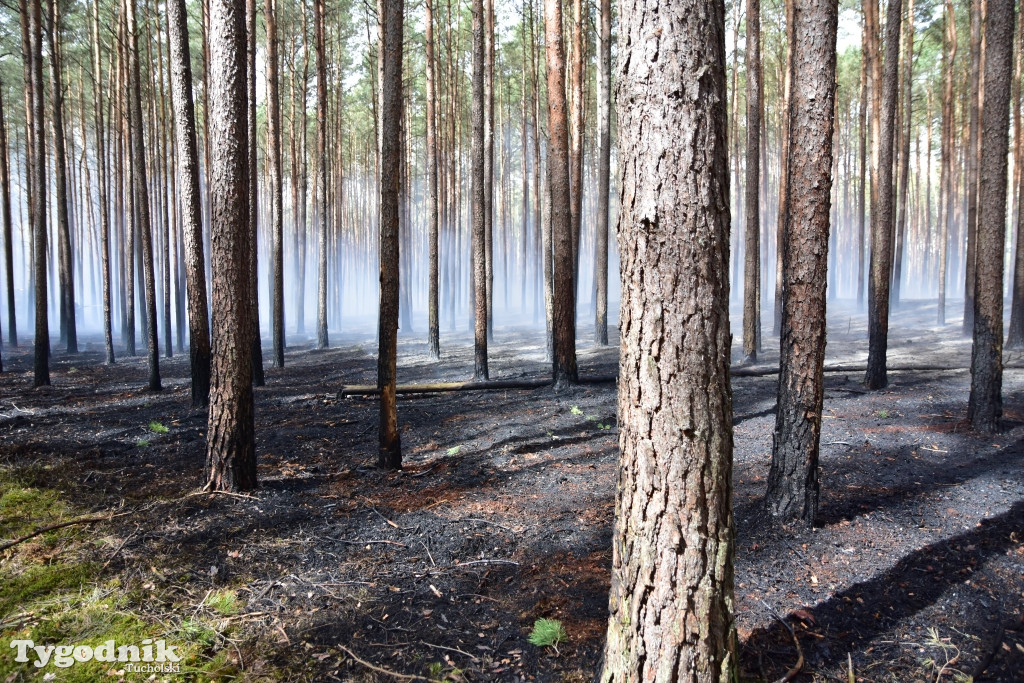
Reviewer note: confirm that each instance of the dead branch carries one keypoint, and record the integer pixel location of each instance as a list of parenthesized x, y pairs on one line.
[(488, 385), (791, 674), (53, 527), (374, 667)]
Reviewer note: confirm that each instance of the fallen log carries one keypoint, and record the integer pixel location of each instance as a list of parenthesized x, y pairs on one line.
[(479, 385)]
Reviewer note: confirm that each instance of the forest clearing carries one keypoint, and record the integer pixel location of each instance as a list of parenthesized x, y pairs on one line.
[(502, 515)]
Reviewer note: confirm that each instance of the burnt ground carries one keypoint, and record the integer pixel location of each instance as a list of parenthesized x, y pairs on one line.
[(504, 510)]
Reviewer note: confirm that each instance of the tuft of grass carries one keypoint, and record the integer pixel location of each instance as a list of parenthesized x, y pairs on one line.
[(884, 414), (142, 443), (158, 428), (224, 602), (576, 410), (454, 450), (547, 633)]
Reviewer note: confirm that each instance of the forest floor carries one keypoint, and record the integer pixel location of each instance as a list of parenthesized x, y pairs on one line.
[(502, 515)]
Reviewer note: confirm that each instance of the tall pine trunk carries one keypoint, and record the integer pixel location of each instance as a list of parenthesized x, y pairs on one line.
[(671, 596), (389, 454), (881, 229), (560, 204), (231, 447), (752, 208), (985, 405)]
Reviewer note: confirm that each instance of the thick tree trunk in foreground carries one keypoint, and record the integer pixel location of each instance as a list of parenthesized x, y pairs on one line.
[(389, 454), (604, 170), (231, 448), (564, 294), (672, 567), (881, 229), (276, 189), (191, 210), (752, 207), (793, 480), (985, 406)]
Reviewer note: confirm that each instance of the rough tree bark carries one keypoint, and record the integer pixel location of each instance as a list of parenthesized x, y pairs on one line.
[(559, 208), (389, 454), (191, 210), (881, 228), (604, 169), (985, 406), (478, 199), (793, 479), (672, 565), (752, 208), (276, 188), (231, 447)]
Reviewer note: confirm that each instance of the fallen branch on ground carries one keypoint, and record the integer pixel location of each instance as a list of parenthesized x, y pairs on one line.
[(54, 527), (374, 667), (483, 385)]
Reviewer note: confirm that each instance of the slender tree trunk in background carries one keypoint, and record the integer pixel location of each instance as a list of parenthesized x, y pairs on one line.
[(972, 153), (101, 172), (946, 172), (258, 376), (389, 454), (300, 295), (41, 364), (793, 480), (164, 155), (862, 136), (604, 169), (564, 304), (433, 303), (488, 153), (576, 77), (881, 232), (141, 196), (276, 189), (904, 182), (5, 198), (478, 191), (787, 94), (752, 208), (68, 331), (1015, 337), (231, 446), (985, 405), (191, 210), (673, 544), (321, 173)]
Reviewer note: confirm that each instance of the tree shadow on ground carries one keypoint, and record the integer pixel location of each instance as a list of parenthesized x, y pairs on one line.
[(848, 620)]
